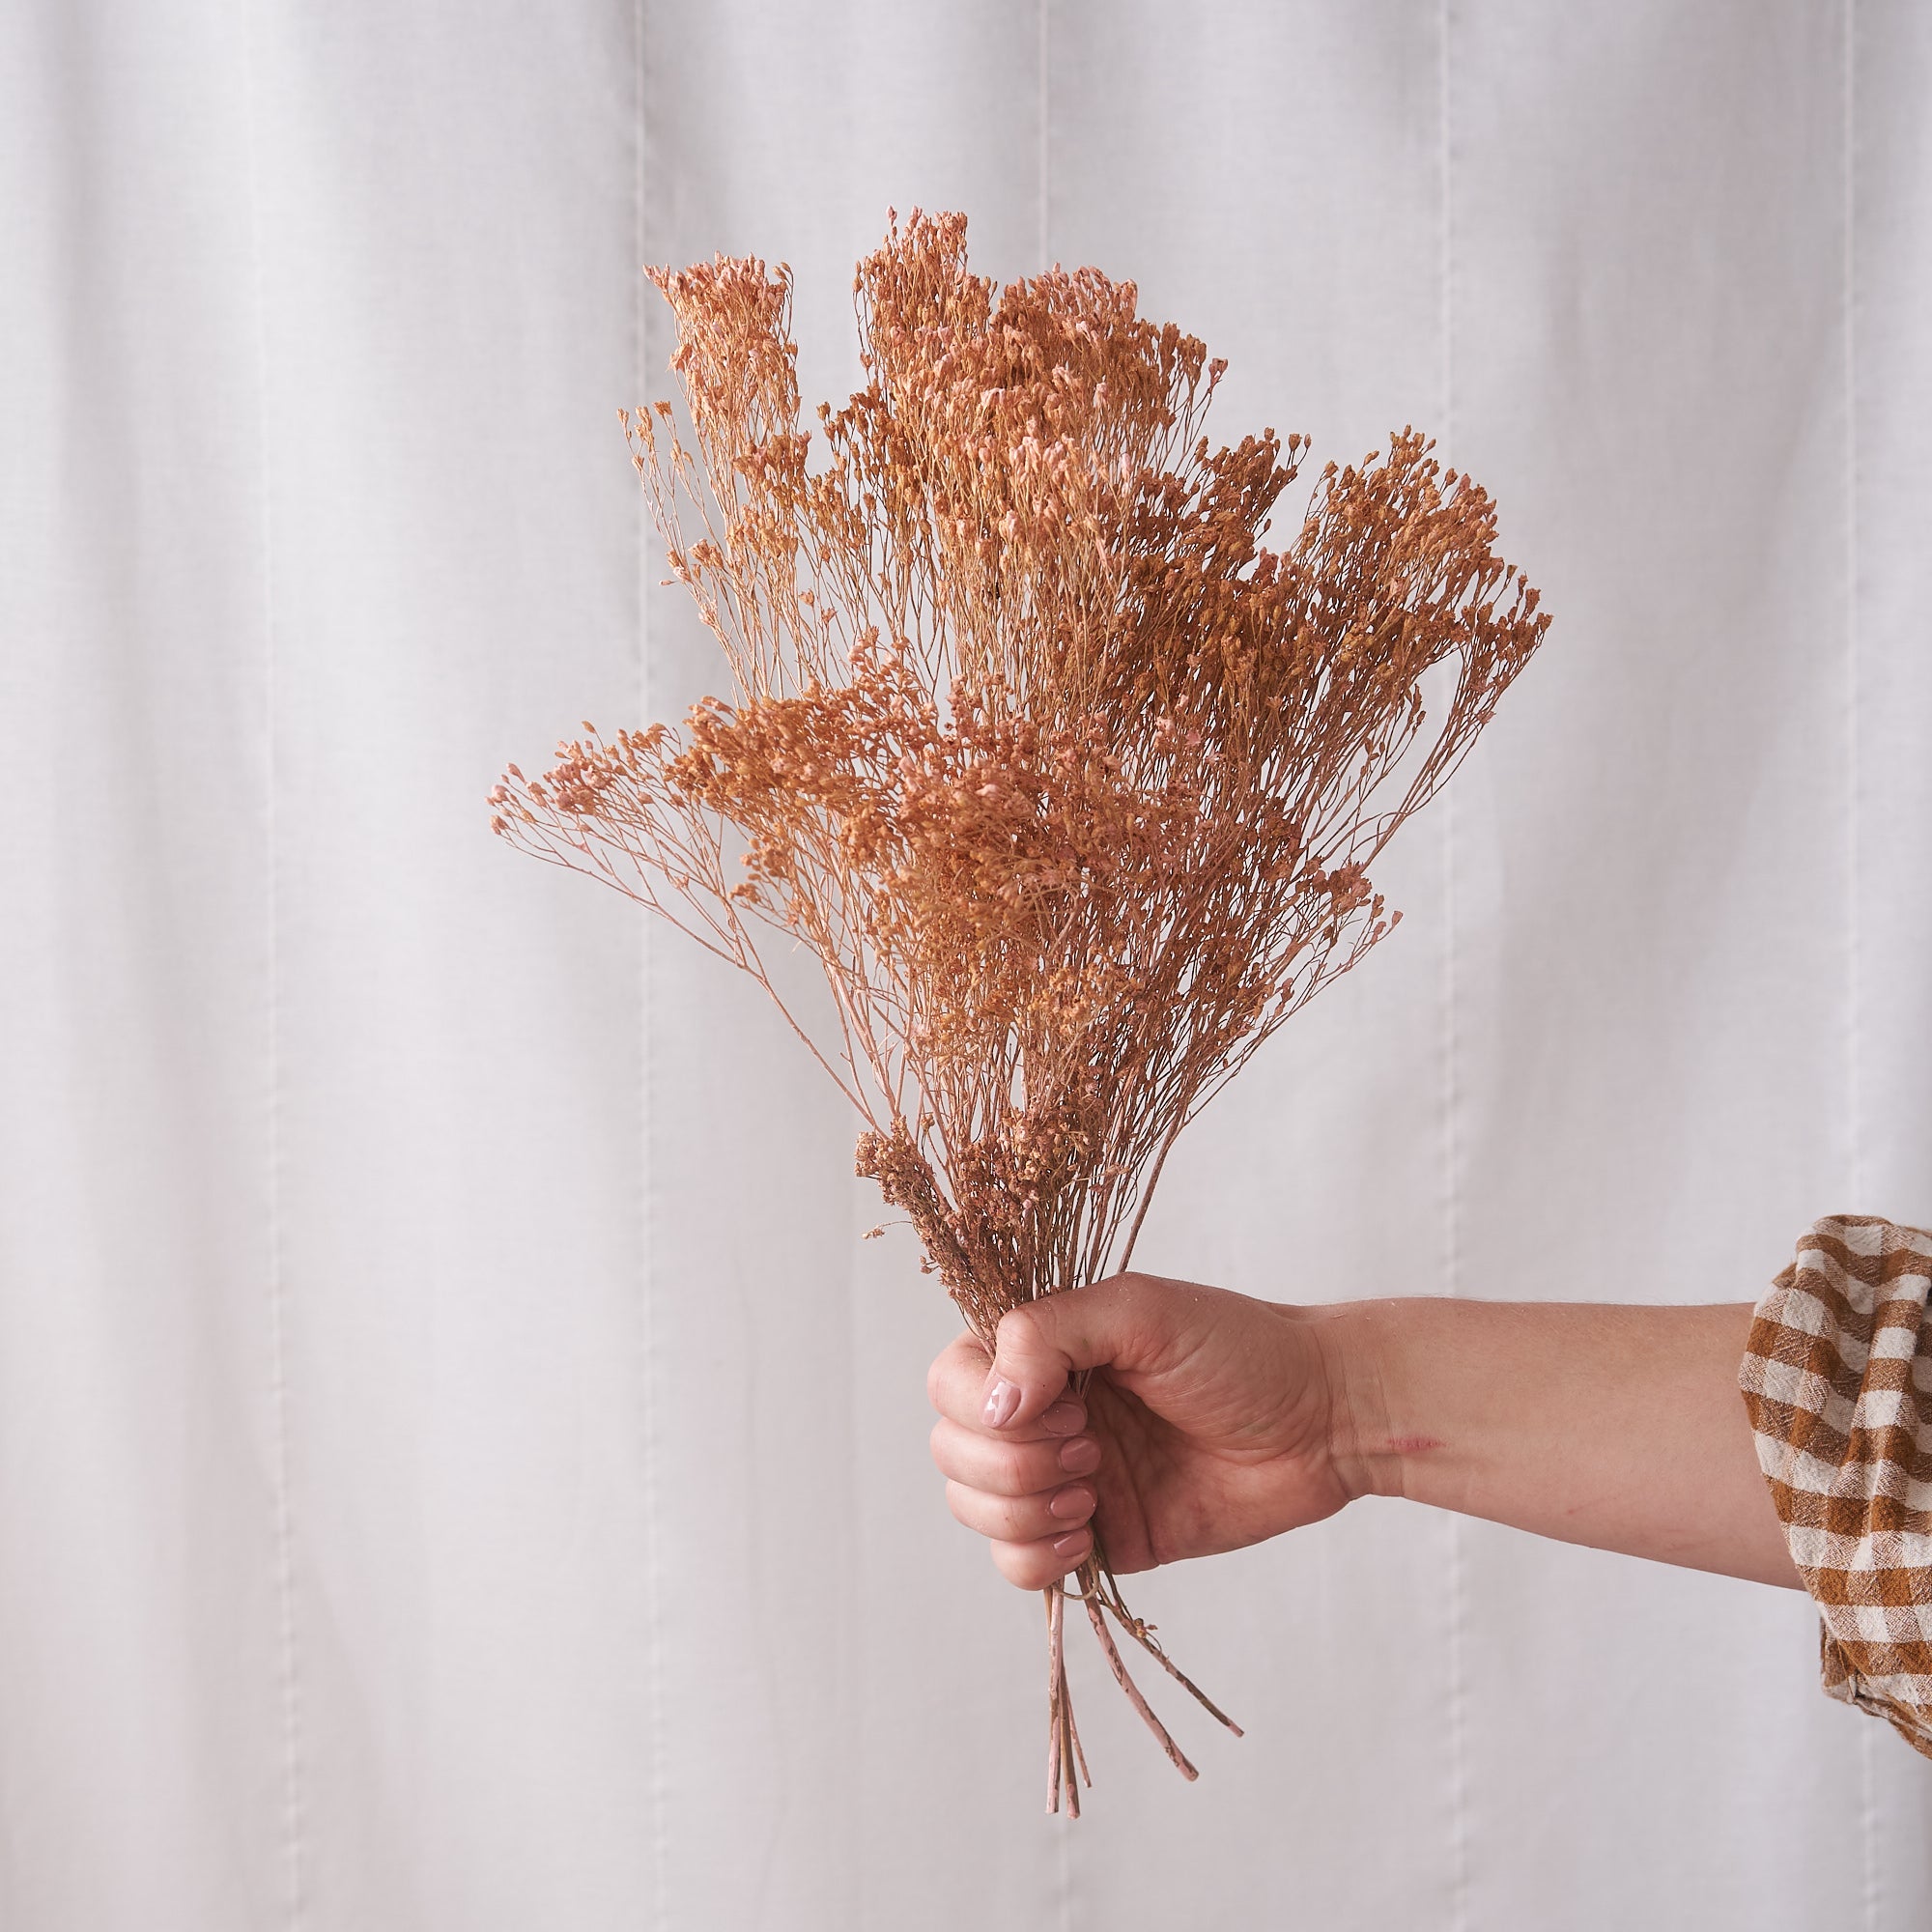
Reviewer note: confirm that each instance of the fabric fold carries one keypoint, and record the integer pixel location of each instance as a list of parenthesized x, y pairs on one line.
[(1838, 1382)]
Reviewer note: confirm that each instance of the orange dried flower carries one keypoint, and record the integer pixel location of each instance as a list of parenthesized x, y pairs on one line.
[(1072, 787)]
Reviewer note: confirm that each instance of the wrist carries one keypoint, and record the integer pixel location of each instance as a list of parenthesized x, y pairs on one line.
[(1366, 1448)]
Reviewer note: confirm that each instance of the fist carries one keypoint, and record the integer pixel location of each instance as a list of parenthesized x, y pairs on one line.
[(1205, 1424)]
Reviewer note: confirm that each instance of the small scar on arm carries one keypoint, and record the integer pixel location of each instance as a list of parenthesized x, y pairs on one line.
[(1411, 1445)]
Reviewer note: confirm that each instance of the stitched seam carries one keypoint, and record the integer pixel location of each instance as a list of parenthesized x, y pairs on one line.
[(647, 1367), (289, 1664), (1064, 1850), (1853, 1093), (1452, 1205)]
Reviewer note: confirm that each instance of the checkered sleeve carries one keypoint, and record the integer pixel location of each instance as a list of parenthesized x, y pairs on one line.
[(1837, 1380)]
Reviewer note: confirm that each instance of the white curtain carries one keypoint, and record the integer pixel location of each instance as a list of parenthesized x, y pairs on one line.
[(459, 1468)]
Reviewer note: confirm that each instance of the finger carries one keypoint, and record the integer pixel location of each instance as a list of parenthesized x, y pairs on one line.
[(1127, 1323), (956, 1386), (1004, 1467), (1032, 1566), (954, 1382), (1022, 1518)]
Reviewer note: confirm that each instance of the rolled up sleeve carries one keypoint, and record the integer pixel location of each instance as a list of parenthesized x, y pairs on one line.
[(1838, 1380)]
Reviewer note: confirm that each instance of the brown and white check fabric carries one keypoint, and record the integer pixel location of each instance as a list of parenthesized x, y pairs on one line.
[(1838, 1379)]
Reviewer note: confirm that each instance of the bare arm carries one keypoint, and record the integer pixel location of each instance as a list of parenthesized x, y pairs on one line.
[(1214, 1420), (1616, 1427)]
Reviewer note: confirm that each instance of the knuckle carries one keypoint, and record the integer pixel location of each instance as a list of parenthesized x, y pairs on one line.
[(1019, 1331), (1014, 1474), (1013, 1561), (943, 1375), (1001, 1518), (960, 1364)]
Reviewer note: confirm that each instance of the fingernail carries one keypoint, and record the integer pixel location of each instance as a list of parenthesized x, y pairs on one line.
[(1002, 1400), (1062, 1418), (1068, 1545), (1081, 1456), (1075, 1499)]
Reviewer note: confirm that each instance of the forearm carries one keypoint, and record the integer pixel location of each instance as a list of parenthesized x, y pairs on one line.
[(1616, 1427)]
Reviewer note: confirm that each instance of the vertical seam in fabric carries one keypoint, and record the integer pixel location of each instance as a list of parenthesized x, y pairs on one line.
[(1854, 1096), (1853, 805), (660, 1840), (1043, 260), (1451, 1261), (1043, 160), (1044, 115), (292, 1821), (1853, 1099)]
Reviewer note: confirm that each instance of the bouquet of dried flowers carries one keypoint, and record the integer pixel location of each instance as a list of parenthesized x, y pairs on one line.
[(1070, 787)]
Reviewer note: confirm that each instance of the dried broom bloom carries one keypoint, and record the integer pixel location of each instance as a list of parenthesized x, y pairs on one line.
[(1071, 787)]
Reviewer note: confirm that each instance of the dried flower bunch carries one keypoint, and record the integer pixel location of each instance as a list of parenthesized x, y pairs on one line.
[(1071, 787)]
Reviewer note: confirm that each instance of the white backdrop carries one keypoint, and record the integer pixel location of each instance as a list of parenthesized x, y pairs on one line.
[(459, 1468)]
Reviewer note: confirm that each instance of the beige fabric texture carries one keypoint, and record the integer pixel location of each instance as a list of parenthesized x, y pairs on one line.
[(1837, 1380), (461, 1467)]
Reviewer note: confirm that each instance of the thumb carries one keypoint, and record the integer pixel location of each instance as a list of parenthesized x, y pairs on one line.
[(1113, 1323)]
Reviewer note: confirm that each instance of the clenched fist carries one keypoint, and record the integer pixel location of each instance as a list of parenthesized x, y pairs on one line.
[(1206, 1424)]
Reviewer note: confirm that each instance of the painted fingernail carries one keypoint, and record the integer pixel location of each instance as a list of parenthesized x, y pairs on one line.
[(1081, 1456), (1071, 1544), (1075, 1499), (1062, 1418), (1003, 1400)]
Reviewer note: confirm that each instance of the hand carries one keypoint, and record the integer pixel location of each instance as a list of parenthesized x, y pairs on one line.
[(1204, 1426)]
